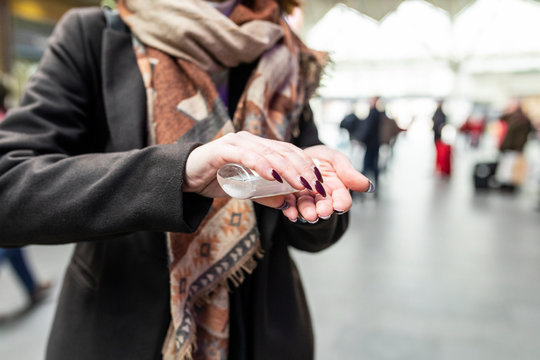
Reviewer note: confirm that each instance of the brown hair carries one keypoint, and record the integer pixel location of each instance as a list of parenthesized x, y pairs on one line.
[(289, 5), (286, 5)]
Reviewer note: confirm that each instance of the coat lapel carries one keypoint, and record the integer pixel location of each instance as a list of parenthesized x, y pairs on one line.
[(123, 91)]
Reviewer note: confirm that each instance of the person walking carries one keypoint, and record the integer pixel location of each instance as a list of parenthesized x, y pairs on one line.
[(512, 165), (443, 151), (369, 134), (35, 291)]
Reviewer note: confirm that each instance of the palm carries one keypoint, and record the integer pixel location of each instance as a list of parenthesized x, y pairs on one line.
[(337, 167), (339, 178)]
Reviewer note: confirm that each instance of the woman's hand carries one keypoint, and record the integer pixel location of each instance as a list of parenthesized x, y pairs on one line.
[(322, 190), (339, 177), (271, 159)]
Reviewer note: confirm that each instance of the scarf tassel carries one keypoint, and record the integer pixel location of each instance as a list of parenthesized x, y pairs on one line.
[(236, 276)]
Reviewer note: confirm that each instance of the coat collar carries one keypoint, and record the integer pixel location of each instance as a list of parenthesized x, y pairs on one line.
[(125, 95), (123, 91)]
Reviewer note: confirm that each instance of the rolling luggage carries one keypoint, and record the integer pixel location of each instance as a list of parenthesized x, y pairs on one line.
[(443, 159), (484, 175)]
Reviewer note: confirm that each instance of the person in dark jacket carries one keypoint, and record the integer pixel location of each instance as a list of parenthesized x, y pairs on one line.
[(518, 128), (443, 163), (439, 121), (368, 133), (512, 165), (36, 290), (115, 147)]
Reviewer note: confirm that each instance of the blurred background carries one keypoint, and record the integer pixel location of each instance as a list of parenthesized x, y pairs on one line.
[(442, 261)]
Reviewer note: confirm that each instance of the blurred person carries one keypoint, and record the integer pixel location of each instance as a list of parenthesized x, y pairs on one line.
[(511, 167), (389, 130), (473, 128), (388, 133), (517, 130), (369, 134), (442, 150), (116, 146), (350, 123), (35, 290)]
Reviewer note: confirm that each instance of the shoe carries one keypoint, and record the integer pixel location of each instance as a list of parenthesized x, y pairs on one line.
[(40, 293)]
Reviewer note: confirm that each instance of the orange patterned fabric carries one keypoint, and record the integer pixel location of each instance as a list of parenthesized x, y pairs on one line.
[(183, 104)]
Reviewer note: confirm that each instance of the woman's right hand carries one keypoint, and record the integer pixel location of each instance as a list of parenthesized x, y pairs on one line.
[(271, 159)]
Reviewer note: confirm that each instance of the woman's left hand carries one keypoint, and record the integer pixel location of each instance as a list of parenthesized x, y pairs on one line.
[(339, 177)]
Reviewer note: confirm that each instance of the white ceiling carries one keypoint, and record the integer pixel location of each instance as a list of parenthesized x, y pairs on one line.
[(314, 10)]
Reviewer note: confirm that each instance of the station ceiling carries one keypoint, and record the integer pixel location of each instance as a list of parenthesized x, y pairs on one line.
[(376, 9), (51, 10)]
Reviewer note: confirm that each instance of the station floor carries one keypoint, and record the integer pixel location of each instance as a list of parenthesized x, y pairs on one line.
[(428, 269)]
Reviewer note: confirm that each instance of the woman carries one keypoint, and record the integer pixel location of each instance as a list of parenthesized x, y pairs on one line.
[(116, 146)]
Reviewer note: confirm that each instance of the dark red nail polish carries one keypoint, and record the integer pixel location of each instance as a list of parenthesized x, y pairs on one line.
[(320, 189), (318, 174), (305, 183), (276, 176)]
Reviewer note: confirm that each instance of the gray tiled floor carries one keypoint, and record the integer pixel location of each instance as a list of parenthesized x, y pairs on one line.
[(25, 338), (428, 270), (431, 269)]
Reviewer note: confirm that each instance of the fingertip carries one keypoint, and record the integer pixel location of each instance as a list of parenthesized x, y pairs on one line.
[(276, 176), (291, 212), (320, 189), (358, 182), (305, 183), (371, 188), (342, 201), (311, 217)]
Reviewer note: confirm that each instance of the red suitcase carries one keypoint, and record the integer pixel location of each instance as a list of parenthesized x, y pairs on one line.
[(443, 162)]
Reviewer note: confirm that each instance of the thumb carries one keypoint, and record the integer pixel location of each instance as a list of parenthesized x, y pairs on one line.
[(350, 177)]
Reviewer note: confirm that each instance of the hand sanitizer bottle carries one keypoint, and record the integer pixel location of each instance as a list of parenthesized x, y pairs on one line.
[(243, 183)]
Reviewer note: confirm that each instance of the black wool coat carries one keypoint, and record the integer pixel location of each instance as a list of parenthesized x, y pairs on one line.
[(75, 168)]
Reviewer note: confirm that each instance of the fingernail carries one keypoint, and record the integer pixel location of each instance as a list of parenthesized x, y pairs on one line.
[(293, 220), (371, 187), (339, 212), (276, 176), (318, 174), (326, 217), (320, 189), (305, 183), (313, 222), (284, 206)]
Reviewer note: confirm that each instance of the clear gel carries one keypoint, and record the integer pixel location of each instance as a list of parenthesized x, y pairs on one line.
[(243, 183)]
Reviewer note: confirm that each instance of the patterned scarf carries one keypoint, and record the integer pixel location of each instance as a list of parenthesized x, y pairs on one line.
[(179, 45)]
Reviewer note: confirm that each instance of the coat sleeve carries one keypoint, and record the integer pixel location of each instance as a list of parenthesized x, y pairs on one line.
[(319, 236), (315, 237), (56, 183)]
